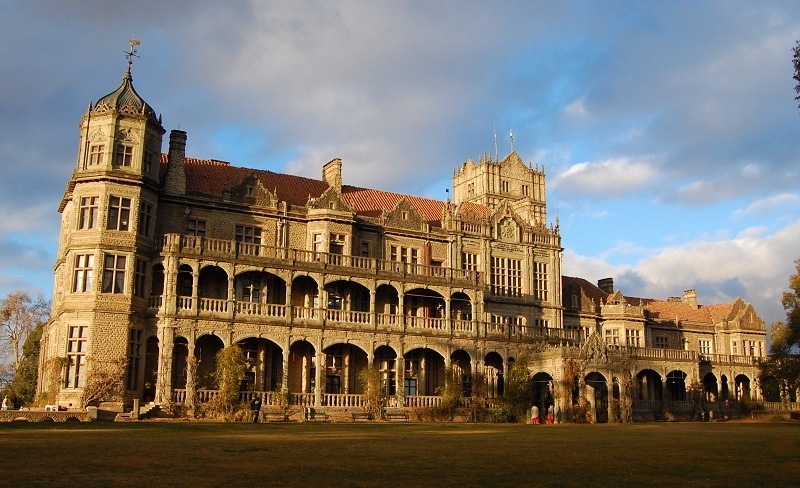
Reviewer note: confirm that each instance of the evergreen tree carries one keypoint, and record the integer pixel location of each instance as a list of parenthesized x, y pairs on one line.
[(781, 371)]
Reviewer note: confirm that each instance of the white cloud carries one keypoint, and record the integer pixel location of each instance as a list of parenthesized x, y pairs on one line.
[(782, 201), (576, 109), (609, 178), (754, 266)]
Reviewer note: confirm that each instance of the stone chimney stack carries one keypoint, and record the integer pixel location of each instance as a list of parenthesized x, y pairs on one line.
[(606, 284), (690, 298), (175, 182), (332, 174)]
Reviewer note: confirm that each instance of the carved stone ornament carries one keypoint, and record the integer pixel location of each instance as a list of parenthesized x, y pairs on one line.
[(595, 350)]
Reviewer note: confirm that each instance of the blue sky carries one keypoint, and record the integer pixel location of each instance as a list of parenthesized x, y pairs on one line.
[(668, 130)]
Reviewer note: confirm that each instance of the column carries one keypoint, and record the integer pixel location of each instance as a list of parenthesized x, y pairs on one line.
[(400, 367), (164, 374), (195, 289), (320, 380), (190, 379), (373, 317), (231, 295), (447, 315), (610, 388), (288, 303), (401, 310)]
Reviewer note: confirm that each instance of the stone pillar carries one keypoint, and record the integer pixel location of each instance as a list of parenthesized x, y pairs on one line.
[(319, 387), (190, 379), (346, 370), (195, 289), (164, 372), (610, 387), (400, 367), (285, 367), (288, 303), (373, 317), (231, 296), (447, 317), (401, 310)]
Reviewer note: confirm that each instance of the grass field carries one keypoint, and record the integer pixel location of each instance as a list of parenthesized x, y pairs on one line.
[(207, 454)]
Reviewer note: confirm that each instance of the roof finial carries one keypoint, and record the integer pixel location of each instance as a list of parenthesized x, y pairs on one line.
[(129, 55)]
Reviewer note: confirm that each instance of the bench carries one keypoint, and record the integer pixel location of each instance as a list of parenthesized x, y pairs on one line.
[(362, 416), (396, 416), (314, 415), (275, 417)]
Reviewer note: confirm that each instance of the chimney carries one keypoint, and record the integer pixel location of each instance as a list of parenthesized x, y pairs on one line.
[(606, 284), (332, 174), (175, 182), (690, 298)]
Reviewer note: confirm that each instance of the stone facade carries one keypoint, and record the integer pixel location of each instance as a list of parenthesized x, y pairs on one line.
[(164, 257)]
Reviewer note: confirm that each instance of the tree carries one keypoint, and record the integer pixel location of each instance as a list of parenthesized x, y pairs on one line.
[(229, 375), (796, 62), (19, 314), (518, 390), (23, 387), (374, 392), (782, 369), (104, 381)]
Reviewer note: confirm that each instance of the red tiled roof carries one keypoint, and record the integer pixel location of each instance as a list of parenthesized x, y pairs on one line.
[(666, 309), (212, 177), (591, 290)]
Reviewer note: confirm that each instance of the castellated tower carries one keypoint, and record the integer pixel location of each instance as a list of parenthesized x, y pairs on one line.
[(107, 233), (490, 183)]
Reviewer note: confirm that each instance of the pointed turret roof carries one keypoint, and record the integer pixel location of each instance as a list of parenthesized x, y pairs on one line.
[(125, 100)]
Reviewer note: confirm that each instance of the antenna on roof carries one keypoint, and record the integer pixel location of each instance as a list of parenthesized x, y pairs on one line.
[(511, 135)]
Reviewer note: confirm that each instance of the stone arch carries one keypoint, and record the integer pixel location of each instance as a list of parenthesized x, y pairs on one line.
[(387, 302), (157, 283), (385, 359), (151, 359), (263, 364), (47, 419), (305, 295), (425, 372), (461, 364), (343, 364), (212, 282), (461, 306), (302, 366), (649, 386), (184, 282), (180, 355), (676, 385), (493, 372), (597, 393), (347, 295), (710, 388), (724, 391), (543, 397), (258, 287), (742, 383), (205, 350)]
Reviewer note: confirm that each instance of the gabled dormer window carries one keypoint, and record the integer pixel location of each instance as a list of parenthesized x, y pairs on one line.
[(124, 155)]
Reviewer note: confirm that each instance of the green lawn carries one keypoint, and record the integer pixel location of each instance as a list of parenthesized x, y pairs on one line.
[(207, 454)]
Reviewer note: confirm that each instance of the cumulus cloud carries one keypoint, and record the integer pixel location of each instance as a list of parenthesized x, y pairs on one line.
[(752, 265), (608, 178)]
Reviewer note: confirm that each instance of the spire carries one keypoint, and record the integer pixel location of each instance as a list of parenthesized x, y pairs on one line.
[(125, 99)]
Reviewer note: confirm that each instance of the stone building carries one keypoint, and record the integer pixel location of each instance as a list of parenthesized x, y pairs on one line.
[(163, 257)]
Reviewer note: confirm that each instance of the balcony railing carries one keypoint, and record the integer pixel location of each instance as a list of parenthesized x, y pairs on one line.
[(319, 317), (227, 249)]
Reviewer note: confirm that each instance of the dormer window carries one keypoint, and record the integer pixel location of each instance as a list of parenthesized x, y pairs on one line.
[(96, 154), (504, 186), (124, 155), (250, 191), (404, 215)]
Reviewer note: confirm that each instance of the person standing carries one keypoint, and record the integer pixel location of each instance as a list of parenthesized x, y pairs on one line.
[(5, 403), (535, 415), (255, 408)]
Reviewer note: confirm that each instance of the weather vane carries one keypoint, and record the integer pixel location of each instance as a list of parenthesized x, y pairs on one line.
[(129, 55)]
